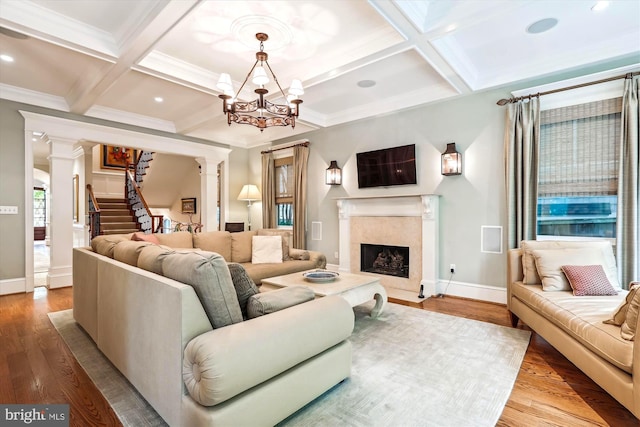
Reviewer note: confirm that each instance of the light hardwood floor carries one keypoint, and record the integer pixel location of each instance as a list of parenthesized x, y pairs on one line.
[(37, 367)]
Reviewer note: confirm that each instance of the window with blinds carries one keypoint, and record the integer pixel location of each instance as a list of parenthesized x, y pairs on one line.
[(578, 169), (284, 191)]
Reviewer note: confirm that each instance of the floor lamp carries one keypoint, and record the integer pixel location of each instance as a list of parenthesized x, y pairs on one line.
[(249, 194)]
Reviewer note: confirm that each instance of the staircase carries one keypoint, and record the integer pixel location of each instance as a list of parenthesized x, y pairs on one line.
[(115, 217)]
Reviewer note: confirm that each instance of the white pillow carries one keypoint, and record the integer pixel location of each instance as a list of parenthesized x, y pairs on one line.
[(549, 264), (266, 250)]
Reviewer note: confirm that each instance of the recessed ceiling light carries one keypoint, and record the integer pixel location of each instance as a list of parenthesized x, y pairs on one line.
[(38, 133), (158, 99), (542, 25), (6, 58), (600, 5), (366, 83)]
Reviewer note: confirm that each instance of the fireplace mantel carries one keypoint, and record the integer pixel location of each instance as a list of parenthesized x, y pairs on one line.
[(424, 206)]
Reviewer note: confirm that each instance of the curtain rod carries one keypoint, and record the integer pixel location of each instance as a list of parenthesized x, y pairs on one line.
[(271, 150), (504, 101)]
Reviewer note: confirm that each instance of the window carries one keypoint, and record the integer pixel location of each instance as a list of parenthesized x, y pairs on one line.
[(39, 207), (284, 191), (578, 169)]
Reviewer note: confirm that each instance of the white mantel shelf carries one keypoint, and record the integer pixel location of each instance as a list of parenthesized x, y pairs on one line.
[(424, 206)]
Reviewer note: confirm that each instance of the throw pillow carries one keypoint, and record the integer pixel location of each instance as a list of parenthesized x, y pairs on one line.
[(244, 285), (285, 234), (272, 301), (241, 246), (620, 314), (177, 239), (588, 280), (214, 241), (266, 250), (549, 264), (628, 328), (141, 237), (208, 274)]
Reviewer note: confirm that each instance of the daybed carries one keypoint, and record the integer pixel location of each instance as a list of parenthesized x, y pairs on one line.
[(541, 295), (188, 349)]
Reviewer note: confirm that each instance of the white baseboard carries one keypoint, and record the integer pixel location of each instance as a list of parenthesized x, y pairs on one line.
[(60, 277), (12, 286), (473, 291)]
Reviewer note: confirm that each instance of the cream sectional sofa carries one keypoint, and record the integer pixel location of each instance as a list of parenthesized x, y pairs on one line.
[(194, 370), (574, 324)]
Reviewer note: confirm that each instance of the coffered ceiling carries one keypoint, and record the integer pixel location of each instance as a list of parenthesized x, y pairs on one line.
[(111, 59)]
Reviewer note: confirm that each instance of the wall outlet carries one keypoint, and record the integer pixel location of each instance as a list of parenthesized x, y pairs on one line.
[(452, 268), (336, 255)]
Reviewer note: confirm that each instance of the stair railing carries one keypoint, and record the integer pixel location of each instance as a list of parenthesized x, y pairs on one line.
[(94, 213), (148, 222)]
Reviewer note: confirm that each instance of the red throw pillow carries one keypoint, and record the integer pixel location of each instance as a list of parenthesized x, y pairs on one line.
[(588, 280), (141, 237)]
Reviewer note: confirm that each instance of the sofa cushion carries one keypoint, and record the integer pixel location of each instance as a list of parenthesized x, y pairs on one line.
[(128, 251), (270, 302), (530, 274), (581, 318), (177, 239), (588, 280), (618, 317), (141, 237), (286, 239), (628, 328), (245, 287), (266, 250), (214, 241), (241, 246), (299, 254), (549, 264), (104, 244), (209, 275), (151, 257)]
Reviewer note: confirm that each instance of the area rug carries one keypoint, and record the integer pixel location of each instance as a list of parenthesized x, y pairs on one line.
[(410, 367)]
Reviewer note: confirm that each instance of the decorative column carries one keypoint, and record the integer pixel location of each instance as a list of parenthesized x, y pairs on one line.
[(209, 191), (61, 174), (430, 243), (344, 228)]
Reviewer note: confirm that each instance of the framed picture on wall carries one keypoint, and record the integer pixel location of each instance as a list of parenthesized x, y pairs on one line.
[(113, 157), (189, 205)]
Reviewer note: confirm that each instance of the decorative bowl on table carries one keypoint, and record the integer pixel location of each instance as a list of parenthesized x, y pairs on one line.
[(320, 276)]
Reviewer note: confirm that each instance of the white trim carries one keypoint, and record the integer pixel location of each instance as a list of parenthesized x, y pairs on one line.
[(26, 96), (13, 286), (120, 116), (472, 291)]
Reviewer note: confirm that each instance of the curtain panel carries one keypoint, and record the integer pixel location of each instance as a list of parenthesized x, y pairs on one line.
[(521, 147), (628, 222), (268, 191), (300, 163)]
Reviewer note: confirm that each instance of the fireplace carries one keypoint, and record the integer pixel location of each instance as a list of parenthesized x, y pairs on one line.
[(384, 259)]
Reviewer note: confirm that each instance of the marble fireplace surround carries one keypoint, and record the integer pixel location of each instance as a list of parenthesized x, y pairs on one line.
[(406, 220)]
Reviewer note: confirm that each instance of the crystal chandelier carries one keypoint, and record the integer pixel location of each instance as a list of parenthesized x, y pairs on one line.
[(260, 112)]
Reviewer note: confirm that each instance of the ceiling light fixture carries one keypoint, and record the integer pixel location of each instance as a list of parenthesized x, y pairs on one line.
[(265, 113), (158, 99), (6, 58), (600, 5), (542, 25)]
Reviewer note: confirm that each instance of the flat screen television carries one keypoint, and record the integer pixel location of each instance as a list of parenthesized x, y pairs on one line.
[(386, 167)]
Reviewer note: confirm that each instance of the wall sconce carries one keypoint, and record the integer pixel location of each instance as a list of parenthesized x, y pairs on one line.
[(249, 194), (333, 174), (451, 161)]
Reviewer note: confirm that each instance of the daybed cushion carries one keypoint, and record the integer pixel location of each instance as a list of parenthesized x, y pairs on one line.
[(209, 275), (530, 273), (244, 285), (620, 314), (549, 264), (177, 239), (270, 302), (588, 280), (266, 250), (582, 318), (214, 241), (628, 328)]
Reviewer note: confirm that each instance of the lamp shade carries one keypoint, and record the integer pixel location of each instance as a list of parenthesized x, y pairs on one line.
[(296, 88), (333, 174), (451, 161), (260, 77), (249, 193), (224, 83)]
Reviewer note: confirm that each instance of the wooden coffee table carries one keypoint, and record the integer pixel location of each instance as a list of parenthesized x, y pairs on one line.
[(355, 288)]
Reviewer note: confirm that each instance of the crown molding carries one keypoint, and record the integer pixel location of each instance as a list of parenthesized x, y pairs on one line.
[(32, 97)]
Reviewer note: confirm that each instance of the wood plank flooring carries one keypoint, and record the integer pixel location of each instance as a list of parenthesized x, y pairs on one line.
[(37, 367)]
